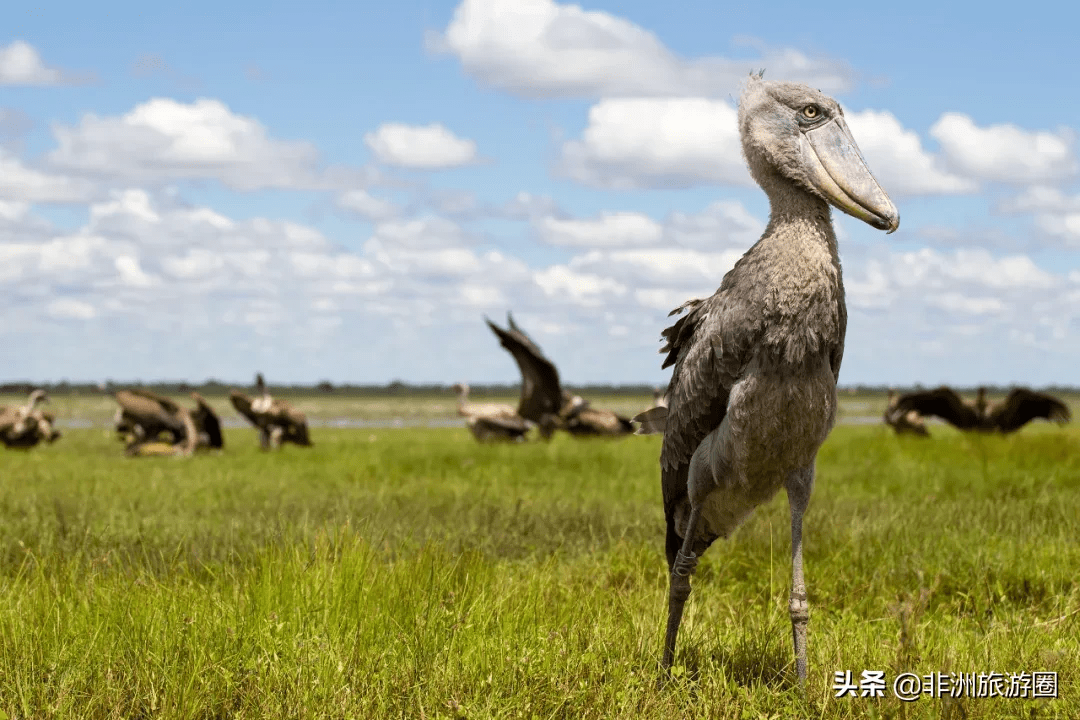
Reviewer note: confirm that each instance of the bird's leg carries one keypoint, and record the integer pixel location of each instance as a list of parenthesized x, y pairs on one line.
[(275, 436), (264, 438), (798, 490), (685, 564)]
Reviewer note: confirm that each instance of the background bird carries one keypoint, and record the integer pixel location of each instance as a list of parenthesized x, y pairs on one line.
[(23, 427), (903, 423), (276, 420), (544, 401), (490, 422), (1019, 407), (144, 416)]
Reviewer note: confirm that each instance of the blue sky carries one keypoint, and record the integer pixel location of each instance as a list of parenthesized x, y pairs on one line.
[(343, 192)]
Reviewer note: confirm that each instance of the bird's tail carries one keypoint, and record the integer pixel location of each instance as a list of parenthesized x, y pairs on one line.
[(653, 420)]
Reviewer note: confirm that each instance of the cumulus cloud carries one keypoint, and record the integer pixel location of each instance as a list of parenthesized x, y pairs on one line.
[(723, 224), (426, 147), (898, 160), (1057, 214), (527, 206), (163, 139), (586, 289), (647, 143), (540, 48), (363, 204), (18, 182), (21, 64), (1005, 152), (617, 229)]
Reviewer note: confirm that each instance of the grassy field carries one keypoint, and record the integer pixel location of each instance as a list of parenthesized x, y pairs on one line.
[(410, 573)]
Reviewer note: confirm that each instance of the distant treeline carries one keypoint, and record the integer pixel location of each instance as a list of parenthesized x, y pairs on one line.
[(403, 389)]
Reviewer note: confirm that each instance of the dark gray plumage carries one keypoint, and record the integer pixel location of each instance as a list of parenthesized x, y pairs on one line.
[(753, 393)]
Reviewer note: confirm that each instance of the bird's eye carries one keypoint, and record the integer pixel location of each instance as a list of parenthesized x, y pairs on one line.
[(810, 112)]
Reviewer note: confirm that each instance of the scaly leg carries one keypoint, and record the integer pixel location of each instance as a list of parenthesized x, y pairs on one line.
[(798, 490), (685, 564)]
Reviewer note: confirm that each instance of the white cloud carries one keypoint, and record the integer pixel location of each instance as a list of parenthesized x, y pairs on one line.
[(1057, 215), (68, 308), (427, 147), (1005, 152), (366, 206), (724, 223), (957, 302), (617, 229), (527, 206), (423, 233), (1041, 198), (644, 143), (22, 183), (540, 48), (163, 139), (21, 64), (661, 267), (585, 289), (896, 157), (929, 268)]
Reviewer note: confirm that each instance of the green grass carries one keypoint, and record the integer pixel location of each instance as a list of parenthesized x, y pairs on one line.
[(415, 574)]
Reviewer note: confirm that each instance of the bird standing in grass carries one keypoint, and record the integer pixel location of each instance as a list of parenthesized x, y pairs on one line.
[(753, 393)]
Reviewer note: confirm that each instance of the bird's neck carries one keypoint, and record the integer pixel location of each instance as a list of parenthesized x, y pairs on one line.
[(798, 219)]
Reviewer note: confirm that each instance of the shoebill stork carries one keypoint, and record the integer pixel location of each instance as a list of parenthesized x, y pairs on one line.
[(753, 393), (490, 422), (1020, 407), (276, 420), (543, 401), (24, 427), (904, 423)]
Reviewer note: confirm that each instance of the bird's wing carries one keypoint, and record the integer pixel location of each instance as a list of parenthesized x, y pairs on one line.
[(709, 347), (1022, 406), (242, 403), (541, 393), (941, 402)]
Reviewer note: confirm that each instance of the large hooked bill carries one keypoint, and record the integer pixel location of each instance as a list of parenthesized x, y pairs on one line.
[(837, 169)]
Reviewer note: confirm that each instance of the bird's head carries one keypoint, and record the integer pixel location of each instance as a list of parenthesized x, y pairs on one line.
[(792, 131)]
